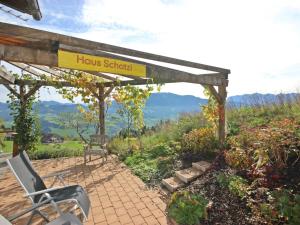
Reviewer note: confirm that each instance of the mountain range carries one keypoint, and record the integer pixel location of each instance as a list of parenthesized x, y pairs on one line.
[(160, 106)]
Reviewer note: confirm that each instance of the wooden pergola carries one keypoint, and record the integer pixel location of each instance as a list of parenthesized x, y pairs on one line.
[(37, 52)]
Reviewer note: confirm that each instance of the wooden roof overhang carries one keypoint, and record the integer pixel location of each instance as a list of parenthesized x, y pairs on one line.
[(30, 7)]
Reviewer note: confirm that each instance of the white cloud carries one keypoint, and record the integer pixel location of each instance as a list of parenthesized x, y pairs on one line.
[(247, 37), (257, 40)]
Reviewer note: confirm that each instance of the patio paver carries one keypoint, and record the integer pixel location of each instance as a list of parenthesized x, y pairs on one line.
[(117, 196)]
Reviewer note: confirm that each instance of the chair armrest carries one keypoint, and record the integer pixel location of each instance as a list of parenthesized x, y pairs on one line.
[(45, 191), (17, 215), (56, 174)]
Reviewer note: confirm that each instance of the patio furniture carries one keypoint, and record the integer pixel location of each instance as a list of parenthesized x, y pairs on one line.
[(97, 146), (58, 176), (64, 219), (4, 221), (37, 191)]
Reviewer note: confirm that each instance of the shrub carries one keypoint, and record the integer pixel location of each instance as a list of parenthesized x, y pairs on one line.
[(236, 184), (55, 153), (160, 150), (271, 150), (238, 159), (142, 166), (153, 164), (186, 123), (283, 207), (187, 208), (288, 206), (244, 139), (200, 140), (122, 147), (66, 149)]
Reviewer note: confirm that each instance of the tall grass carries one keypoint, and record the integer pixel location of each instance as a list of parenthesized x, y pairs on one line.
[(260, 111)]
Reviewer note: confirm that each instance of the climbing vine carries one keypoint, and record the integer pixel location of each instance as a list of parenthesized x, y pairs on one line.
[(86, 87), (25, 120), (211, 110)]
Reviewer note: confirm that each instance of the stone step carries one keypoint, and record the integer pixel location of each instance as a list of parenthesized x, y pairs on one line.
[(188, 174), (201, 165), (172, 183)]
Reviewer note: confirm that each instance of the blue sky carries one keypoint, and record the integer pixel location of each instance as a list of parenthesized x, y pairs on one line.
[(259, 41)]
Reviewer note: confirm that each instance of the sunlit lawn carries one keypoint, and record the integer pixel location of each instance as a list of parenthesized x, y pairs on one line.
[(74, 145)]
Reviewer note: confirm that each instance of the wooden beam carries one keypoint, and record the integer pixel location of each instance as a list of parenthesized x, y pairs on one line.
[(102, 75), (4, 74), (27, 68), (32, 91), (161, 73), (34, 34), (43, 83), (11, 90), (107, 92), (27, 55), (46, 69), (96, 95), (215, 93), (67, 84), (57, 73)]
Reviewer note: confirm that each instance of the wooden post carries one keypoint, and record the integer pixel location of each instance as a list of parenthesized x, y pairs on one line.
[(15, 146), (221, 129), (16, 149), (101, 114)]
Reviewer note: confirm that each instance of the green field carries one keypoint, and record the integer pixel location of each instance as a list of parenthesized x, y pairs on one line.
[(72, 145)]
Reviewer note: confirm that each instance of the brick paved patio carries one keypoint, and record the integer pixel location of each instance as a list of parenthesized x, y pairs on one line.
[(117, 196)]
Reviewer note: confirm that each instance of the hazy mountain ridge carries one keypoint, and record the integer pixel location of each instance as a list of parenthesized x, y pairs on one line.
[(160, 106)]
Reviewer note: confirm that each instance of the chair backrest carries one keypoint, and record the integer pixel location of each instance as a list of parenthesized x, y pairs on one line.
[(25, 174), (97, 140), (4, 221)]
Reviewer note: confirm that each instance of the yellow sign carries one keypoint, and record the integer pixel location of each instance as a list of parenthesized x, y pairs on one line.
[(80, 61)]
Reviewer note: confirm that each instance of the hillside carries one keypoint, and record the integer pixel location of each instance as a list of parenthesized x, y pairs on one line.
[(255, 176), (160, 106)]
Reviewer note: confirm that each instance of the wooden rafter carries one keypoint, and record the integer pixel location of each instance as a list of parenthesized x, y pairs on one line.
[(27, 68), (4, 74), (107, 77), (46, 69), (13, 91)]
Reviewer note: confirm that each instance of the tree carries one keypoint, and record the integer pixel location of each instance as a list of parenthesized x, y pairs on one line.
[(82, 123), (131, 102)]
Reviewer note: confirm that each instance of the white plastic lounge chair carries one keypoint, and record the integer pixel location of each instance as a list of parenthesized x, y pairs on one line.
[(37, 191)]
